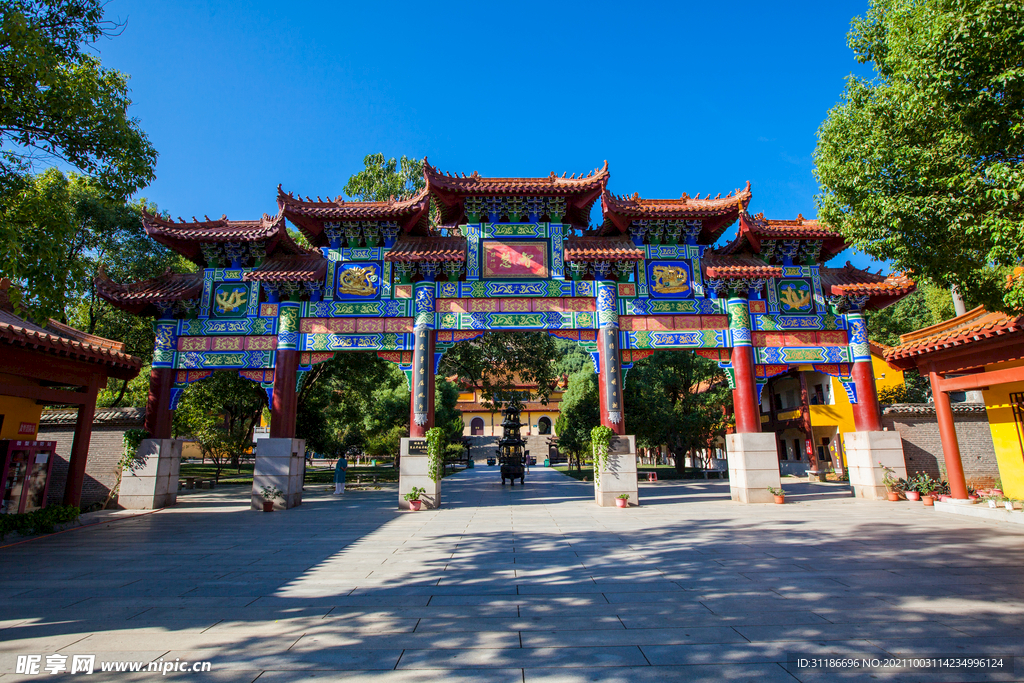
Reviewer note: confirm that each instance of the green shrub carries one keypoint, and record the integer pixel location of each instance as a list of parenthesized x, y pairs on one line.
[(39, 521)]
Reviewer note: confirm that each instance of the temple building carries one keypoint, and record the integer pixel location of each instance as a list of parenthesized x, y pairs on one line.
[(518, 254)]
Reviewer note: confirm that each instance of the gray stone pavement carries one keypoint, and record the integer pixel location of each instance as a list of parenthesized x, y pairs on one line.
[(524, 584)]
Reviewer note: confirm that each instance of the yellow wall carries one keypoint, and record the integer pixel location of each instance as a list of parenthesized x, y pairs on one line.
[(1004, 432), (18, 410)]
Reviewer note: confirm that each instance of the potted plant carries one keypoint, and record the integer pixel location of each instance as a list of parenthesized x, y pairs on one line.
[(928, 499), (622, 500), (992, 500), (270, 493), (892, 483), (780, 495), (414, 498), (1008, 503)]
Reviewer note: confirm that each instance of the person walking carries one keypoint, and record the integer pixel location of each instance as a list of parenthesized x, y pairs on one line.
[(339, 475)]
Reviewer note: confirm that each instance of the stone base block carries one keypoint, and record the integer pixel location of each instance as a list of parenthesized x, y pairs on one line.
[(619, 474), (866, 454), (413, 472), (280, 463), (753, 466), (154, 481)]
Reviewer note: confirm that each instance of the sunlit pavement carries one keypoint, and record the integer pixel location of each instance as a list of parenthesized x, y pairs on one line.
[(529, 583)]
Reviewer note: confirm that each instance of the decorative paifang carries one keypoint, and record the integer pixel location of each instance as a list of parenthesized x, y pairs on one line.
[(288, 326), (424, 297), (405, 270), (579, 269), (557, 251), (607, 304), (453, 270), (230, 300), (473, 251), (602, 269), (692, 230), (515, 259)]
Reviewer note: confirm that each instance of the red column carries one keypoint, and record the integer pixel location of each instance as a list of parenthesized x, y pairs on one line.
[(417, 431), (947, 433), (282, 411), (866, 415), (744, 396), (80, 446), (159, 415)]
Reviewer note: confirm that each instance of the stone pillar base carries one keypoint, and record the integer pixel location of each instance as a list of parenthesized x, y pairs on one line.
[(154, 484), (619, 473), (279, 463), (753, 466), (413, 472), (866, 453)]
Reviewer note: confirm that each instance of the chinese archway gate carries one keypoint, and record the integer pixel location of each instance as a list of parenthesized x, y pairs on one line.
[(515, 254)]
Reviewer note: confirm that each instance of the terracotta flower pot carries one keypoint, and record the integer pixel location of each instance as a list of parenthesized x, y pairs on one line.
[(928, 501), (621, 502), (893, 496), (913, 495), (268, 506), (779, 500), (414, 505)]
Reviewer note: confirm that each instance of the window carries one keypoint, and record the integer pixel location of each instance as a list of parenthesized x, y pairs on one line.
[(819, 394), (544, 425), (476, 426)]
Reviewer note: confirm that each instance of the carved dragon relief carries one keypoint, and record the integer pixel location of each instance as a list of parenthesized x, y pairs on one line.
[(358, 281), (670, 280)]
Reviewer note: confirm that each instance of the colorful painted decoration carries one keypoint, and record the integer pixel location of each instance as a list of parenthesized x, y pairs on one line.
[(230, 300), (515, 260)]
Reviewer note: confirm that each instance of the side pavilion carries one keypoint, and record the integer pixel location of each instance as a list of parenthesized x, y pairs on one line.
[(517, 254)]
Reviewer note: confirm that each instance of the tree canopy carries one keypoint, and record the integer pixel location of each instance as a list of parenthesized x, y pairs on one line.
[(60, 104), (383, 179), (922, 164)]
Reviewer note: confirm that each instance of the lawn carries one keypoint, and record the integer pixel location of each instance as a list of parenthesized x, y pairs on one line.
[(314, 475)]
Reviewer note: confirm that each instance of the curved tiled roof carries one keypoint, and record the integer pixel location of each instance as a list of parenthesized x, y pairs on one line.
[(105, 416), (439, 249), (16, 331), (755, 229), (849, 280), (972, 327), (309, 215), (738, 267), (140, 297), (187, 238), (601, 249), (580, 193), (717, 214), (290, 268)]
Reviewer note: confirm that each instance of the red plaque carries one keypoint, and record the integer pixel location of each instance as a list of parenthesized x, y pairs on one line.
[(515, 259)]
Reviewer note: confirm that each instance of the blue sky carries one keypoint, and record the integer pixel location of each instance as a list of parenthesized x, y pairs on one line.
[(241, 96)]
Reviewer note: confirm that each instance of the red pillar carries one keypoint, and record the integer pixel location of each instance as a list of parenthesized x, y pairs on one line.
[(80, 446), (282, 411), (950, 446), (744, 396), (426, 363), (159, 415), (866, 415)]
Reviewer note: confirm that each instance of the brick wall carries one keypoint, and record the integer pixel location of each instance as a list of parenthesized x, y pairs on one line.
[(922, 446), (105, 449)]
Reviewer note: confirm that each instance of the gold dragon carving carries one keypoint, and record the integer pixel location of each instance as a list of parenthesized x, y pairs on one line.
[(794, 299), (358, 281), (229, 302), (670, 280)]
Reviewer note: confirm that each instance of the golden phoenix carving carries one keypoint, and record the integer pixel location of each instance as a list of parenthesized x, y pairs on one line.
[(794, 299), (229, 303)]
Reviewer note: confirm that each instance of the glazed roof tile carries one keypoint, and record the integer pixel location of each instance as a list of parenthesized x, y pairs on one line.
[(440, 249), (738, 267), (290, 268), (580, 193), (755, 229), (140, 297), (187, 238), (601, 249), (972, 327), (852, 281), (717, 214), (61, 340), (310, 215)]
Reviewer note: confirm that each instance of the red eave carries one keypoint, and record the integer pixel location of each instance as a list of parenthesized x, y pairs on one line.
[(437, 249), (601, 249), (849, 280), (738, 267), (18, 332), (140, 297), (292, 268), (716, 214), (309, 215), (187, 238), (974, 329), (756, 229)]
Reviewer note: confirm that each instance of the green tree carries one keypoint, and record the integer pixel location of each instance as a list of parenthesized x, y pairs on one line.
[(499, 361), (220, 414), (922, 164), (383, 179), (578, 414)]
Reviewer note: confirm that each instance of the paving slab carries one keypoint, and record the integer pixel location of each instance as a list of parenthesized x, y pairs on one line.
[(534, 583)]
